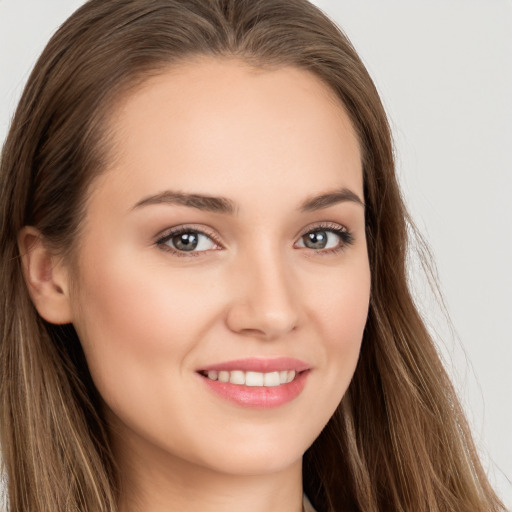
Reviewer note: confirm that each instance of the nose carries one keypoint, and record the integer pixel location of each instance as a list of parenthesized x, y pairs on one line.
[(265, 302)]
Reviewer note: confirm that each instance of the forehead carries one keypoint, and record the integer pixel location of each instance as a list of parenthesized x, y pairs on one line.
[(211, 124)]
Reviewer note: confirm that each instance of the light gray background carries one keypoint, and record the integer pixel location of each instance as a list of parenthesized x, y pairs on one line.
[(444, 70)]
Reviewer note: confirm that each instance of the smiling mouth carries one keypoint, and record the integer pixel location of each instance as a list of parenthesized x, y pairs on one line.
[(252, 379), (258, 383)]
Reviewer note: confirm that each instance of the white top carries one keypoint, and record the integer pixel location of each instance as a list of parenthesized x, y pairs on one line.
[(306, 505)]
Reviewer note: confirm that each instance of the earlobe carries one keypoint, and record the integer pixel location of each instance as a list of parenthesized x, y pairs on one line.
[(46, 277)]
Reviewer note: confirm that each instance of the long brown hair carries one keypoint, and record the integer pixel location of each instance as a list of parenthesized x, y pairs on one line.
[(397, 442)]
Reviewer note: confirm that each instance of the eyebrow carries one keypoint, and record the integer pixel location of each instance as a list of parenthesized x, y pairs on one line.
[(199, 201), (329, 199), (227, 206)]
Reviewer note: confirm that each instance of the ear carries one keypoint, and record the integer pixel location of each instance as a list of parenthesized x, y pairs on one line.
[(46, 277)]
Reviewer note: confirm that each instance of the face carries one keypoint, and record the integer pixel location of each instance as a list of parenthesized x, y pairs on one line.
[(222, 279)]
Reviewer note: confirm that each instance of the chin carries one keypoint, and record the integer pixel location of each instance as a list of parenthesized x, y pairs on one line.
[(257, 454), (252, 463)]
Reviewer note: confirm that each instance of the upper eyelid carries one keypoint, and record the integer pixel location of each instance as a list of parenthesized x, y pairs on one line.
[(185, 228), (316, 226), (210, 232)]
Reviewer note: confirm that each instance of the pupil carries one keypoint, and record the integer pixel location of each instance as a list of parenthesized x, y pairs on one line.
[(316, 240), (185, 241)]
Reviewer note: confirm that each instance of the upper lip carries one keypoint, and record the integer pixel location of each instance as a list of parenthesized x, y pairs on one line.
[(259, 364)]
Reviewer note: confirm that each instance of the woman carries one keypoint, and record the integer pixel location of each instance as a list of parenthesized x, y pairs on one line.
[(205, 304)]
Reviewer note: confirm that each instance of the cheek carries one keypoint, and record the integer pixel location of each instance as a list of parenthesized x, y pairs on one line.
[(342, 313), (337, 310), (135, 302), (341, 307), (140, 326), (132, 321)]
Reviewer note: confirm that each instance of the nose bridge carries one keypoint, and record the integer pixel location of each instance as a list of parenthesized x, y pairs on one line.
[(264, 302)]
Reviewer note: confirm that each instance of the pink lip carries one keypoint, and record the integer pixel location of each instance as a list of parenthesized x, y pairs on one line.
[(262, 365), (260, 397)]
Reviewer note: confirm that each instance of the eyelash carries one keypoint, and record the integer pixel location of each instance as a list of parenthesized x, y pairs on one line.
[(171, 233), (345, 236)]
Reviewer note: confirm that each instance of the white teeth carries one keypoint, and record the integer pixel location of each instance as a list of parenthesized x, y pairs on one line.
[(239, 377), (271, 379), (223, 376), (254, 379)]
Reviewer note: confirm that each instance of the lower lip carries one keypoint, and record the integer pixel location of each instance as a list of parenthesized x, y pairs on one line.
[(261, 397)]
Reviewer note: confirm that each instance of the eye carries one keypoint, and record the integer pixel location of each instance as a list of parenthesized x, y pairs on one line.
[(326, 239), (186, 240)]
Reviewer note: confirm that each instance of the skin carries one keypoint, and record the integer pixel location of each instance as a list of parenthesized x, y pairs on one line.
[(149, 318)]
